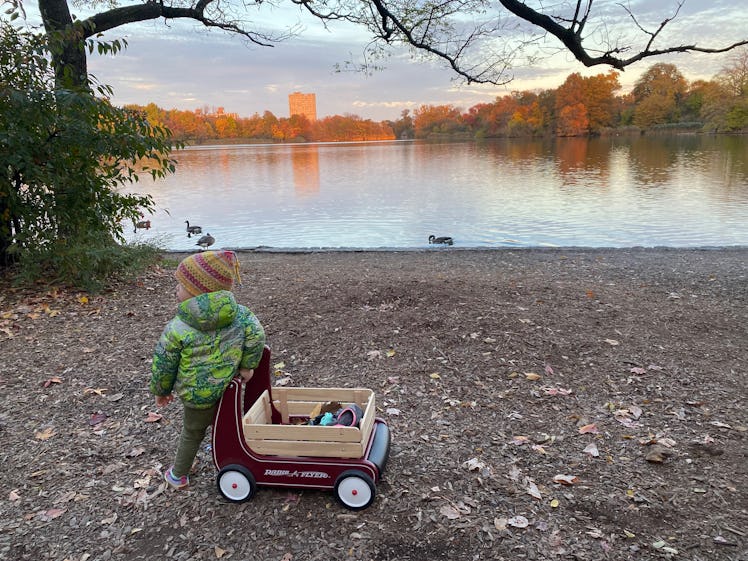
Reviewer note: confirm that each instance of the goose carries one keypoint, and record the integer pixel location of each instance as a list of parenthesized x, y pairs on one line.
[(193, 229), (206, 241), (446, 240), (143, 225)]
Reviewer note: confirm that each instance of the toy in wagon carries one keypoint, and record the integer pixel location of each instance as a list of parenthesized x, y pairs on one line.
[(297, 437)]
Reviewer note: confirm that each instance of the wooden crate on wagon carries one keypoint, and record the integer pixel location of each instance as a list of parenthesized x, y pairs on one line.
[(286, 439)]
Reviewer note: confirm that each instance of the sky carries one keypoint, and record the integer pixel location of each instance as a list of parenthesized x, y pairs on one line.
[(181, 65)]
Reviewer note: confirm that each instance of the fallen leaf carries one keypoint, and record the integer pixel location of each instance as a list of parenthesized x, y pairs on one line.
[(533, 490), (51, 514), (612, 342), (520, 440), (219, 552), (656, 455), (153, 417), (135, 452), (115, 397), (434, 376), (565, 479), (44, 433), (450, 512), (518, 522), (638, 370), (514, 473), (500, 523), (97, 391), (589, 429), (592, 450), (53, 380), (474, 464), (554, 503), (83, 299), (532, 376), (96, 418), (556, 391), (390, 353)]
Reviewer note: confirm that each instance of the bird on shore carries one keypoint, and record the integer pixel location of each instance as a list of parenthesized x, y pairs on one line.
[(206, 241), (444, 240), (143, 225), (193, 229)]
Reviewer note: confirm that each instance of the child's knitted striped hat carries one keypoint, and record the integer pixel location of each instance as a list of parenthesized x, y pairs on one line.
[(208, 271)]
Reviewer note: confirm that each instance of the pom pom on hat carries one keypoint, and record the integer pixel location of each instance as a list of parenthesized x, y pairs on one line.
[(208, 271)]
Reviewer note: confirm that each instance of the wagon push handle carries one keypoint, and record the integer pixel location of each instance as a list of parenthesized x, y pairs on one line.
[(261, 381)]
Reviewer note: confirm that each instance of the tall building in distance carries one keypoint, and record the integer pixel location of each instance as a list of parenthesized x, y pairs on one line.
[(303, 104)]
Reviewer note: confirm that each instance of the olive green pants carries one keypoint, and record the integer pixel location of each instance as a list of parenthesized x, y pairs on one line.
[(196, 421)]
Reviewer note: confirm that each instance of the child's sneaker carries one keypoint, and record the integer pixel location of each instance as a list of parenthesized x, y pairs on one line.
[(174, 481)]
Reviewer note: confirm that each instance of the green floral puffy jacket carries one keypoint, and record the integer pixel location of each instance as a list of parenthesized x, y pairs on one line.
[(201, 349)]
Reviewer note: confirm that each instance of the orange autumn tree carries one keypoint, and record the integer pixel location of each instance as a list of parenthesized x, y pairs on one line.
[(528, 118), (586, 105), (431, 120)]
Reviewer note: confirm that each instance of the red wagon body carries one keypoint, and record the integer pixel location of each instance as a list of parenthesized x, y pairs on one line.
[(241, 469)]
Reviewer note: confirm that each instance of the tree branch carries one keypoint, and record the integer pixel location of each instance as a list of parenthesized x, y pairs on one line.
[(110, 19), (573, 40)]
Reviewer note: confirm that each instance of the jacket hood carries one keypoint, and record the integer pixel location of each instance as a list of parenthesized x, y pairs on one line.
[(209, 311)]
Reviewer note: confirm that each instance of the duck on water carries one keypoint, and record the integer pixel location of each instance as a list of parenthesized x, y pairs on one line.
[(443, 240), (193, 229)]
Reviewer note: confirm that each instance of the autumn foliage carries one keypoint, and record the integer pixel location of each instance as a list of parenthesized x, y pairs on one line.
[(582, 106), (215, 124)]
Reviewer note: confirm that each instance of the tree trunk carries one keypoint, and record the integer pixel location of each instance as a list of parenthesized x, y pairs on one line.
[(66, 43)]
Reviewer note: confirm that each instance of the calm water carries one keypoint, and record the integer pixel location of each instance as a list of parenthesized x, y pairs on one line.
[(684, 191)]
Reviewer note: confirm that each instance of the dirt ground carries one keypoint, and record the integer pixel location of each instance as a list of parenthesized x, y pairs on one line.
[(544, 404)]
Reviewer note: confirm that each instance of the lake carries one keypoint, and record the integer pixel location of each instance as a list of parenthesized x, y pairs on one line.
[(675, 191)]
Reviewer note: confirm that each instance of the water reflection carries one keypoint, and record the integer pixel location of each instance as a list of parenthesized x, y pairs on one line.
[(673, 191), (305, 163)]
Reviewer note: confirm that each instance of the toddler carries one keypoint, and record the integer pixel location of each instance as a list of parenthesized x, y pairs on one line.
[(208, 342)]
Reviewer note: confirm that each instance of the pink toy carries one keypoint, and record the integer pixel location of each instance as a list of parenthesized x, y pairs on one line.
[(255, 442)]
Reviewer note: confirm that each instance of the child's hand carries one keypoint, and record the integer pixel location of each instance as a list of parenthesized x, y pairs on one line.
[(246, 373), (164, 400)]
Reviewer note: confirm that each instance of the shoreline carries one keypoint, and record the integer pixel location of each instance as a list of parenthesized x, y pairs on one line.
[(417, 249)]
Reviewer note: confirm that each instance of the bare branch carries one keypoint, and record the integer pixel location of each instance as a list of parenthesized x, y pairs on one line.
[(110, 19)]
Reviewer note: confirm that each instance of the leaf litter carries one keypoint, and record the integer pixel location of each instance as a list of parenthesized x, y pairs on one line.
[(484, 458)]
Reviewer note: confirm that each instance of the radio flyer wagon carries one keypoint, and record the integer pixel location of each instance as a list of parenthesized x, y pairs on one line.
[(261, 437)]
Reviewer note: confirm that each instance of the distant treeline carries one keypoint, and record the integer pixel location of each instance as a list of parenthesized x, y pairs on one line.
[(662, 99), (204, 125)]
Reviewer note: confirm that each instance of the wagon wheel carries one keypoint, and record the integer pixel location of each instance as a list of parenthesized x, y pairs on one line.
[(355, 490), (236, 483)]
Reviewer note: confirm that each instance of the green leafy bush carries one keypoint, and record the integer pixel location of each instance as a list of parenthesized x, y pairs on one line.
[(65, 156)]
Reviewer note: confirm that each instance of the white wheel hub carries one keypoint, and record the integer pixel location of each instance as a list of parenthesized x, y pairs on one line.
[(235, 486), (354, 492)]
